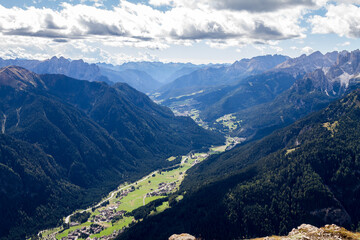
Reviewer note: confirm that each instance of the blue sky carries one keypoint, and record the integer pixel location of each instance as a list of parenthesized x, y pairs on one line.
[(198, 31)]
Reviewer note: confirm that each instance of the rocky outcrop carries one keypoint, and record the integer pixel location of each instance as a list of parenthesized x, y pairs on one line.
[(306, 64), (334, 80), (183, 236), (309, 232)]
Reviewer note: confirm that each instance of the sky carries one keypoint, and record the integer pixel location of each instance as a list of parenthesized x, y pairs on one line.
[(197, 31)]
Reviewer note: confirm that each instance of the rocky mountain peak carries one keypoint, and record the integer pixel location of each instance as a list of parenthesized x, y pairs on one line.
[(319, 81), (183, 236), (307, 63), (316, 54), (343, 57), (347, 67), (309, 232), (335, 79)]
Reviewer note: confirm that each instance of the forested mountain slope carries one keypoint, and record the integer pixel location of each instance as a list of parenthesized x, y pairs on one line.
[(308, 172), (93, 136)]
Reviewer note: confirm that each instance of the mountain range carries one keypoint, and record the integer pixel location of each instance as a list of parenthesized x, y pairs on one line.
[(159, 71), (77, 69), (65, 142), (277, 97), (204, 78), (310, 93), (143, 76)]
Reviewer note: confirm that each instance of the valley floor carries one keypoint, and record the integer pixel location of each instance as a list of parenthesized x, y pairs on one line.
[(111, 215)]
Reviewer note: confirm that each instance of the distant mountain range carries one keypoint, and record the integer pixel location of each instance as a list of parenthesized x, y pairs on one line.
[(161, 72), (65, 142), (279, 96), (205, 78), (143, 76), (299, 66), (139, 80), (77, 69), (310, 93)]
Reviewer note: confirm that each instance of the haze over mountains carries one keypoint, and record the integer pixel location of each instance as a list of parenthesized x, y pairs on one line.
[(217, 76), (144, 76)]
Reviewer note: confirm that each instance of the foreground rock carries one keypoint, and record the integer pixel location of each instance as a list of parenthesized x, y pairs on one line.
[(309, 232), (183, 236)]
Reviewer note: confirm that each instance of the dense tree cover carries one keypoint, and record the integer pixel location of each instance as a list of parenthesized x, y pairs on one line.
[(80, 217), (33, 194), (89, 136), (147, 129), (308, 172), (245, 94)]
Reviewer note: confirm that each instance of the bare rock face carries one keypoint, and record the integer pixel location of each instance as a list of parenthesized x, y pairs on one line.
[(183, 236), (309, 232)]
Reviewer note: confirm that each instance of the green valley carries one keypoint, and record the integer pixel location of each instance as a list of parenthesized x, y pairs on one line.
[(131, 202)]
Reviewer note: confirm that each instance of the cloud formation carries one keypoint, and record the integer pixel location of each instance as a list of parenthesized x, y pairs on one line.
[(143, 23), (260, 5), (89, 27), (341, 19)]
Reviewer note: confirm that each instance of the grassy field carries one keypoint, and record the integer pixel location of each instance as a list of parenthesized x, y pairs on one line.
[(137, 197), (188, 95), (116, 226), (229, 122), (170, 159)]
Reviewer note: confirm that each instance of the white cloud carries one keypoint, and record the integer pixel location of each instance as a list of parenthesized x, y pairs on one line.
[(260, 5), (158, 3), (344, 44), (307, 50), (240, 5), (349, 1), (277, 49), (145, 24), (89, 29), (342, 19)]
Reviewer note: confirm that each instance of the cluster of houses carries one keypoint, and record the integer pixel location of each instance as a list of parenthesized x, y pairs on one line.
[(108, 214), (124, 193), (84, 232), (163, 189)]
